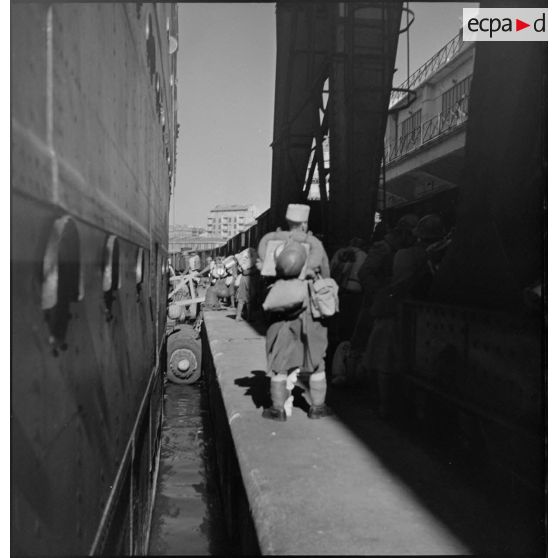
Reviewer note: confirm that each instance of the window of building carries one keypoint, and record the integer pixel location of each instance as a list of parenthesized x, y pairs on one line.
[(411, 124), (456, 93)]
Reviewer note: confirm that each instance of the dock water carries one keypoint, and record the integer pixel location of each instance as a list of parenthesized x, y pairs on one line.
[(187, 516)]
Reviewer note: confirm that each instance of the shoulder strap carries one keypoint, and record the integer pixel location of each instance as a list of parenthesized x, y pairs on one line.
[(307, 356)]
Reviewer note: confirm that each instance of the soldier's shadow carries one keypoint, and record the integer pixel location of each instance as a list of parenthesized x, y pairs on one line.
[(258, 390)]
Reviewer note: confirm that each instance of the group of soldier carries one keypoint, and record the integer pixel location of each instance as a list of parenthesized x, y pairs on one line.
[(400, 263), (368, 283), (233, 279), (301, 293)]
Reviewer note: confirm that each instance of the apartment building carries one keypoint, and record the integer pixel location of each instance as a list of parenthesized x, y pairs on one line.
[(228, 220)]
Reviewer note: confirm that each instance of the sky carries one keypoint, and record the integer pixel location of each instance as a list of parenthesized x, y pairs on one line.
[(226, 75), (226, 88)]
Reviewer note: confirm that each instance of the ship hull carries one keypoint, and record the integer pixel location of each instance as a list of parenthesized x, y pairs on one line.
[(93, 119)]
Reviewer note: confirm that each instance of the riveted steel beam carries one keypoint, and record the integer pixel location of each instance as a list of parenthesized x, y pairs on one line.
[(303, 49), (365, 37), (353, 45)]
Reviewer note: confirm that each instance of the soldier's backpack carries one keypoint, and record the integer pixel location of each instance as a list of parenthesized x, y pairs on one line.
[(285, 295), (324, 299), (273, 249)]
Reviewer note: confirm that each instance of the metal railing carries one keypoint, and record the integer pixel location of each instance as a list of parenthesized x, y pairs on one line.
[(442, 57), (434, 127)]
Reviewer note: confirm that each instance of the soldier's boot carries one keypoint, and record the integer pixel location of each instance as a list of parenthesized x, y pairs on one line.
[(318, 388), (302, 381), (239, 308), (279, 394)]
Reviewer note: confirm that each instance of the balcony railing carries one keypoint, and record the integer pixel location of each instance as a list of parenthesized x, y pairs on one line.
[(433, 128), (442, 57)]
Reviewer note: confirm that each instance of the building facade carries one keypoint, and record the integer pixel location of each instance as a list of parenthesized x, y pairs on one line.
[(201, 243), (425, 132), (183, 238), (228, 220)]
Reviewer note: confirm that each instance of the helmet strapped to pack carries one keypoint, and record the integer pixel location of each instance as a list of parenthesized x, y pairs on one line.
[(271, 243), (290, 259)]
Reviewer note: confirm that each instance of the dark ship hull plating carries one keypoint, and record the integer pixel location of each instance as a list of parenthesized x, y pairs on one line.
[(93, 151)]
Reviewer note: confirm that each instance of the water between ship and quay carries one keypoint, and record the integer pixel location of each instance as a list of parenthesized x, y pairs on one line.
[(187, 518), (391, 491)]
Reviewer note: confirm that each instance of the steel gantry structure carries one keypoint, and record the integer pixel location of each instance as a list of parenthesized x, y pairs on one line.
[(335, 63), (333, 78)]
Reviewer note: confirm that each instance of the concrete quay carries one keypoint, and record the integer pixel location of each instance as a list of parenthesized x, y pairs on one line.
[(350, 484)]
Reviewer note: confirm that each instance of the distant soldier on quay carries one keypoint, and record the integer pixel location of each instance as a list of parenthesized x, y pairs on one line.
[(248, 276)]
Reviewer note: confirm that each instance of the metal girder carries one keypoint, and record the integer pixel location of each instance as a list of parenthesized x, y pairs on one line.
[(303, 47), (366, 35), (354, 45)]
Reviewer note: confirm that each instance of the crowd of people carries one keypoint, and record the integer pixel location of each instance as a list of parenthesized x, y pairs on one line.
[(224, 282), (233, 282), (309, 302), (400, 263)]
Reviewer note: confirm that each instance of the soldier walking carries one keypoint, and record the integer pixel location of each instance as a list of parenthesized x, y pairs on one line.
[(296, 340)]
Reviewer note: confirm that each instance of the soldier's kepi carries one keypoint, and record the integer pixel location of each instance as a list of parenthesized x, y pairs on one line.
[(296, 342)]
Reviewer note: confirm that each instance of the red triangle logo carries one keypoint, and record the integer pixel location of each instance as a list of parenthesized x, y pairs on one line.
[(519, 25)]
